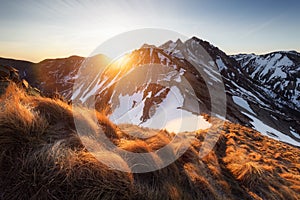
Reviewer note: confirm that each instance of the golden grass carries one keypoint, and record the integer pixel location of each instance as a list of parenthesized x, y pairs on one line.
[(42, 157), (248, 173)]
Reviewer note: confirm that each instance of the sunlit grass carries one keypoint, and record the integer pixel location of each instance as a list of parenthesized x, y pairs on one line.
[(41, 156)]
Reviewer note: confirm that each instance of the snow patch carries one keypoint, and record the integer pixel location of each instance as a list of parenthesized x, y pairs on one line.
[(168, 114), (285, 61), (265, 129), (294, 133), (220, 64), (76, 93), (213, 77), (243, 103), (129, 109), (220, 117)]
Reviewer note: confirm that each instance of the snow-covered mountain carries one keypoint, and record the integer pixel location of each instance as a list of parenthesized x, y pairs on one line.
[(277, 73), (265, 99), (180, 79)]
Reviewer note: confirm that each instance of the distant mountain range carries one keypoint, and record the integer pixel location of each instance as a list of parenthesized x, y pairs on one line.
[(261, 91)]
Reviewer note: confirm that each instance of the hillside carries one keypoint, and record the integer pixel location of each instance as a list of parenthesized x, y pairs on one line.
[(42, 157)]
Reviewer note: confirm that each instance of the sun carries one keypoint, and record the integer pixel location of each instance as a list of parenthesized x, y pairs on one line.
[(120, 62), (118, 66)]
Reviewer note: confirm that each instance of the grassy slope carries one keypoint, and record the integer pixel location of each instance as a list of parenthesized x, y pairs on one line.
[(42, 157)]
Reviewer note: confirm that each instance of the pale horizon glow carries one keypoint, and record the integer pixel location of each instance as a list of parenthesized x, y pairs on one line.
[(36, 30)]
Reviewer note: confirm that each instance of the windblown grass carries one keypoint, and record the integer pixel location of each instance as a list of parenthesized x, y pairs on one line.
[(42, 157)]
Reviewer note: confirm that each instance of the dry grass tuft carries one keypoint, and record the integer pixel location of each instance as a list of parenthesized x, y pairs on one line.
[(248, 173)]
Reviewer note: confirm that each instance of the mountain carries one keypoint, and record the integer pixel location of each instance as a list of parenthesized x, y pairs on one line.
[(249, 103), (25, 68), (259, 91), (277, 73), (48, 75)]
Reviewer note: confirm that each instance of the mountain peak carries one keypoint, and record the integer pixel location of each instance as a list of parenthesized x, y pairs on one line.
[(196, 38), (148, 46), (72, 57)]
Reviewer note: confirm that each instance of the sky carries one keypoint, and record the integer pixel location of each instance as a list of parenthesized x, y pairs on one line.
[(36, 30)]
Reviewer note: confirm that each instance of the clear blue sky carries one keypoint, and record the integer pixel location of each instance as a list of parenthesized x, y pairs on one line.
[(35, 30)]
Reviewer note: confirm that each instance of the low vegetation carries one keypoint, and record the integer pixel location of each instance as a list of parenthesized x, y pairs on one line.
[(42, 157)]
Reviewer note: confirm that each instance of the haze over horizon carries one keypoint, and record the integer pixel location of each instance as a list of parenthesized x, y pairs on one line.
[(37, 30)]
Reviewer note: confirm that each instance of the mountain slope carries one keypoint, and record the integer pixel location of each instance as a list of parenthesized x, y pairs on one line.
[(275, 76), (25, 68), (277, 72), (43, 156), (249, 103)]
